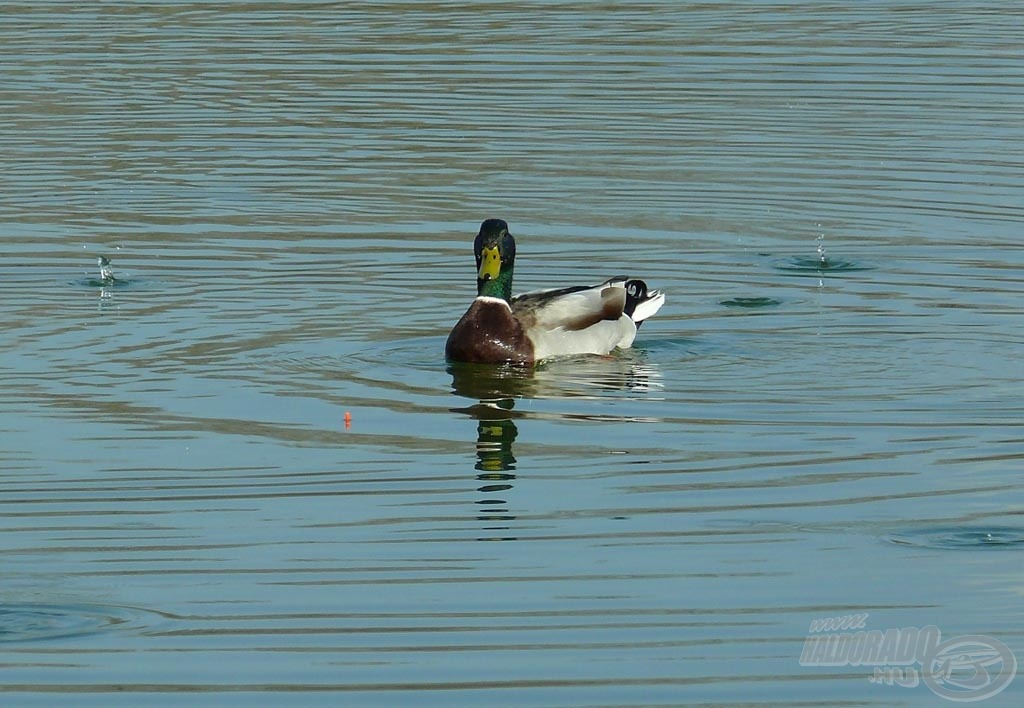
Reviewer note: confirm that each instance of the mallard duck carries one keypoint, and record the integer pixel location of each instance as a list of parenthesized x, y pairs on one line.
[(499, 328)]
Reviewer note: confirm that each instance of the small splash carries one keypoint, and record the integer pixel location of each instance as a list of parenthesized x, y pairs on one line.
[(751, 302), (963, 538), (106, 278), (820, 262), (106, 270)]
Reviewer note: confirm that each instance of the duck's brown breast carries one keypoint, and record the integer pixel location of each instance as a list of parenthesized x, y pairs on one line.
[(489, 334)]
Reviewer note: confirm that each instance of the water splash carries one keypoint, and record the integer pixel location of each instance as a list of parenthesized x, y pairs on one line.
[(106, 280), (822, 256), (106, 270)]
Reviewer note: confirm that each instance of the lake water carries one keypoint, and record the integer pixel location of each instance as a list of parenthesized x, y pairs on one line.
[(287, 194)]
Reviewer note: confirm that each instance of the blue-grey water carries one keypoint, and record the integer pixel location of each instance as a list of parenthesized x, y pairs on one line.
[(826, 418)]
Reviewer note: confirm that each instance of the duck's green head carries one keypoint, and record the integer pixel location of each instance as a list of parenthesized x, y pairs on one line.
[(495, 251)]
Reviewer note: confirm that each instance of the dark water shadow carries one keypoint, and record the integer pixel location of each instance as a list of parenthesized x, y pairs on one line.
[(751, 303), (819, 265), (109, 284), (32, 622)]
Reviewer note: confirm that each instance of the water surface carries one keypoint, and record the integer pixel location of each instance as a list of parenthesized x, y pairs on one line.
[(287, 194)]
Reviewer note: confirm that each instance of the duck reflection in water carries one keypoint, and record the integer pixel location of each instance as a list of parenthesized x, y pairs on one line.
[(495, 463), (496, 388)]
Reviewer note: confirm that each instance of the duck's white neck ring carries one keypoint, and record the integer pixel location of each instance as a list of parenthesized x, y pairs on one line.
[(493, 300)]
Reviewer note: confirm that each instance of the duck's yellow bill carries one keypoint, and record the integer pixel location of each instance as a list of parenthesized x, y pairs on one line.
[(490, 264)]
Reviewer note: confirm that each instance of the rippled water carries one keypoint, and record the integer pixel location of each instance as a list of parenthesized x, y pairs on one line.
[(825, 415)]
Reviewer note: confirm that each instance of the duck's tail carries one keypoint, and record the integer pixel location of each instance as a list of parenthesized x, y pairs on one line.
[(641, 303)]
